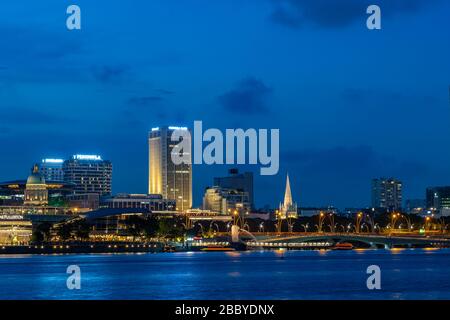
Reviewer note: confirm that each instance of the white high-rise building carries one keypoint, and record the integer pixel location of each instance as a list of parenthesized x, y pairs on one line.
[(173, 182), (52, 169)]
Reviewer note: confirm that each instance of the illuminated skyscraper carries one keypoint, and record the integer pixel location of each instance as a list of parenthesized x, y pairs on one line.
[(172, 181), (89, 173)]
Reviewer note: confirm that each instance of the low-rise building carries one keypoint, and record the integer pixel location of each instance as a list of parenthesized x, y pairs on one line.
[(223, 200), (151, 202)]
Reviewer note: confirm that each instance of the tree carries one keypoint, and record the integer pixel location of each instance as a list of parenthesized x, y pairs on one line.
[(151, 227), (41, 232), (168, 228), (65, 231), (59, 202), (134, 226), (82, 229)]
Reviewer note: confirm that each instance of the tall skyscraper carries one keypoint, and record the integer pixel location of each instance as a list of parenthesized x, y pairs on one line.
[(52, 169), (173, 182), (238, 181), (89, 173), (387, 194)]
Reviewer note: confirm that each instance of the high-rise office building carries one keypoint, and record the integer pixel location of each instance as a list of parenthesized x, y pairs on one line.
[(89, 173), (387, 194), (52, 169), (438, 198), (238, 181), (172, 181)]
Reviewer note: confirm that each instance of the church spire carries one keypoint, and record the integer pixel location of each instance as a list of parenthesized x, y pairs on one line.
[(287, 194), (35, 169), (288, 208)]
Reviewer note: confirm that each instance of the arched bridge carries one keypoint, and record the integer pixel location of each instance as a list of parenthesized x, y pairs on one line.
[(365, 240)]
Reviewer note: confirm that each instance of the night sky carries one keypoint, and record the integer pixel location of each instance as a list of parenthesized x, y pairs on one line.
[(351, 104)]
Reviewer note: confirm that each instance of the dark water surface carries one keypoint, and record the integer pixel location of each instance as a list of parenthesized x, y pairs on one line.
[(406, 274)]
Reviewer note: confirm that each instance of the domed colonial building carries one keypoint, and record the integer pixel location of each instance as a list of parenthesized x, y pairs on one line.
[(36, 193)]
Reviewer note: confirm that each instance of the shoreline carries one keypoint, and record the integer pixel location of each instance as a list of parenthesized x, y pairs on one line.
[(82, 248), (100, 248)]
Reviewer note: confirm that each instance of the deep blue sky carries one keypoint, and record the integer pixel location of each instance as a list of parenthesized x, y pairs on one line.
[(351, 104)]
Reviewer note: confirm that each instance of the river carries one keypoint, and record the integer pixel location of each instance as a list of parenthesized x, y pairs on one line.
[(405, 274)]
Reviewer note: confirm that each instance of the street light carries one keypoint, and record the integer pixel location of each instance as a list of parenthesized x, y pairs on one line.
[(333, 226), (321, 219), (261, 227), (279, 221), (305, 226), (408, 222), (427, 222), (394, 218), (359, 217), (371, 222)]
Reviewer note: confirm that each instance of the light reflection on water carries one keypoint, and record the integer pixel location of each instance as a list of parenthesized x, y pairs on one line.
[(406, 274)]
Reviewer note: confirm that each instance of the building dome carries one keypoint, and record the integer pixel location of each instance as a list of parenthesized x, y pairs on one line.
[(35, 177)]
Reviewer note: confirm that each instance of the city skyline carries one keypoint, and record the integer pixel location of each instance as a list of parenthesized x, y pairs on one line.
[(366, 108), (381, 194)]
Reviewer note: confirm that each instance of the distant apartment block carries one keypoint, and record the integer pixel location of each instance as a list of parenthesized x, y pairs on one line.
[(387, 194)]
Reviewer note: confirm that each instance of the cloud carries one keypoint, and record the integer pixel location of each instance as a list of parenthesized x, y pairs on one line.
[(248, 97), (26, 116), (36, 53), (109, 73), (352, 163), (4, 130), (164, 91), (332, 14), (386, 98), (144, 101), (34, 43)]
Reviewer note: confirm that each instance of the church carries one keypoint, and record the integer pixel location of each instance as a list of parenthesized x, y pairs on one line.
[(288, 209)]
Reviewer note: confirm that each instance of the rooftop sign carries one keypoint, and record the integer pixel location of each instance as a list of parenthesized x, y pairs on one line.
[(87, 157)]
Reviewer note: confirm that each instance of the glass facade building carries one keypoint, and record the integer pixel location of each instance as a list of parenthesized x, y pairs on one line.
[(172, 181), (238, 181), (52, 169), (89, 174)]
